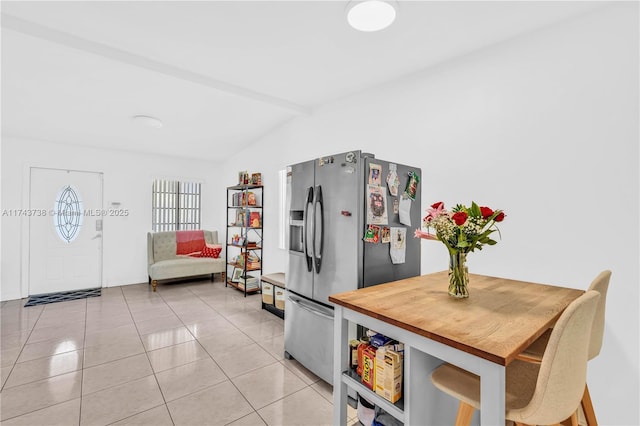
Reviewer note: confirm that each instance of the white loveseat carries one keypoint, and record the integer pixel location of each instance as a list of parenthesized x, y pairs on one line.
[(164, 263)]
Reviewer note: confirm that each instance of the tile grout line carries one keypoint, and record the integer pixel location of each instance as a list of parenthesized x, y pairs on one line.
[(16, 361), (84, 340), (149, 359), (200, 345), (13, 365), (221, 369), (229, 379), (46, 378)]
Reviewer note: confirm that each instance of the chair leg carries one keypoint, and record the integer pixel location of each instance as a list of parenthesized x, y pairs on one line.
[(224, 276), (587, 407), (212, 278), (465, 414), (154, 284), (572, 420)]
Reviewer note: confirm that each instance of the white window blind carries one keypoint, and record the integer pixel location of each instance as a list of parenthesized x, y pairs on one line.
[(175, 205)]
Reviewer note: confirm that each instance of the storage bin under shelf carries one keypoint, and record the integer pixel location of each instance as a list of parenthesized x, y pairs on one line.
[(273, 298)]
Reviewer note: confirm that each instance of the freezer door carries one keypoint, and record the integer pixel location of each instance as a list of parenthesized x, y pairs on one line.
[(337, 241), (300, 187), (377, 261), (308, 335)]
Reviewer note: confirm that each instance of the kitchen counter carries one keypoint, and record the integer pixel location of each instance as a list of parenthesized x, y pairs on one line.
[(481, 334)]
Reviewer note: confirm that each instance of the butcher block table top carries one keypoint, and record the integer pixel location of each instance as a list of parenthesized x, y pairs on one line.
[(500, 318)]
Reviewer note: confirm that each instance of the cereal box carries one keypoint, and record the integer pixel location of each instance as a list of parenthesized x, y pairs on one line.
[(388, 374)]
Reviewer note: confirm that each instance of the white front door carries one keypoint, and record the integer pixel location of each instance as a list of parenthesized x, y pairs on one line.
[(65, 230)]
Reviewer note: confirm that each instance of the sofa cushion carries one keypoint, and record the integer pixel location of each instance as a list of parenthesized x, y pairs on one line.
[(185, 266), (211, 250), (164, 246)]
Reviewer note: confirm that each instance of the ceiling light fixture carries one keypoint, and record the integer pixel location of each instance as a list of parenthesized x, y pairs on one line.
[(371, 15), (147, 120)]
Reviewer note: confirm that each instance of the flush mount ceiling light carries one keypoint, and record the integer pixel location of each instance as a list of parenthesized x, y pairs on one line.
[(371, 15), (148, 121)]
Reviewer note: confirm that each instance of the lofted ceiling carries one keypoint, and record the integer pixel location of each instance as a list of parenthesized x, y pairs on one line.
[(220, 74)]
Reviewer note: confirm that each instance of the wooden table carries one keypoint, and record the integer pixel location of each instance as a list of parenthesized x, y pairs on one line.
[(481, 334)]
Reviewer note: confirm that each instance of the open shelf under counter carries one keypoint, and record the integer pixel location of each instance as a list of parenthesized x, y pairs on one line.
[(352, 380)]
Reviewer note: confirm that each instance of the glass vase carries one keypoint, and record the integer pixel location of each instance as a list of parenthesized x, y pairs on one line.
[(458, 275)]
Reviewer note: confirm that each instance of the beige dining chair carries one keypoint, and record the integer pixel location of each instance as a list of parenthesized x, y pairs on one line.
[(534, 352), (536, 394)]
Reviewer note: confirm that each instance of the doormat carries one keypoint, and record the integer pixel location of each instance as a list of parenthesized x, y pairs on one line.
[(62, 296)]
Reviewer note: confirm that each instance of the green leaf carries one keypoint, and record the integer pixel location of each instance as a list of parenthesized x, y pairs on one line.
[(475, 210)]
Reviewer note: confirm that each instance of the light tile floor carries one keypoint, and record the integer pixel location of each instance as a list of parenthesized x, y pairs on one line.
[(193, 353)]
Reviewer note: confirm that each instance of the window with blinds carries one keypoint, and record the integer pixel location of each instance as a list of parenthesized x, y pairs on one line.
[(175, 205)]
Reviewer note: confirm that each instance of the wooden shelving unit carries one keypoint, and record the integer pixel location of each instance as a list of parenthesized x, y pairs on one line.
[(243, 255)]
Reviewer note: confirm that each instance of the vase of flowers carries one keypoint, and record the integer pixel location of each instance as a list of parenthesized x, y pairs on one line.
[(462, 230), (458, 275)]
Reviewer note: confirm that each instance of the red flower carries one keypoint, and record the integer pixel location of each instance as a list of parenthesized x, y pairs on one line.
[(459, 218), (437, 205), (500, 217), (486, 212)]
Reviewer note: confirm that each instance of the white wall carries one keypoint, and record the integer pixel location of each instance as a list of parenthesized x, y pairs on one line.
[(127, 179), (544, 126)]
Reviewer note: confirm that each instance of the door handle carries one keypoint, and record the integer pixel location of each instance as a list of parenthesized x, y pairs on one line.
[(305, 224), (319, 202), (97, 236), (310, 309)]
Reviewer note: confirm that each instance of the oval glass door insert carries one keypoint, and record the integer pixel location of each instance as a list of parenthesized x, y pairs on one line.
[(67, 214)]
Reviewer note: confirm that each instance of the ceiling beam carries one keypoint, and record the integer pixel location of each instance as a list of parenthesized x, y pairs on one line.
[(36, 30)]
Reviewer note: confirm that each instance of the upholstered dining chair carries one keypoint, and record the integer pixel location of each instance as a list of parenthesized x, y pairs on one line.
[(536, 394), (534, 352)]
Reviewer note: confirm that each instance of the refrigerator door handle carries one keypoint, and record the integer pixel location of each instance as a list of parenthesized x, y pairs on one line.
[(309, 308), (305, 224), (317, 254)]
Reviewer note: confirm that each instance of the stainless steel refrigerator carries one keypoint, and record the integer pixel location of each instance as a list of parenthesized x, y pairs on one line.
[(329, 203)]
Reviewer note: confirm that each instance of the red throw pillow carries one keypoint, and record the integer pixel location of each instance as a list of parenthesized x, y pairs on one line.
[(211, 250)]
